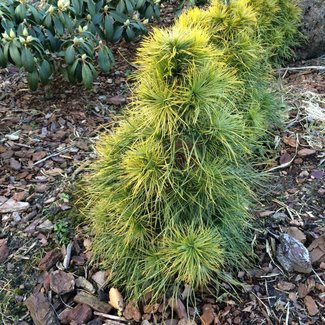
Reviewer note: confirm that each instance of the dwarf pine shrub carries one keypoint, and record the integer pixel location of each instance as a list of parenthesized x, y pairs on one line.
[(168, 196)]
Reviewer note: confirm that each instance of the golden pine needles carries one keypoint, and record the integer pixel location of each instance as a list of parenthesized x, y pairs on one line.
[(169, 194)]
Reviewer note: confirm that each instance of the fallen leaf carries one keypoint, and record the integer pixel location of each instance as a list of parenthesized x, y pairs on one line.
[(116, 299), (290, 141)]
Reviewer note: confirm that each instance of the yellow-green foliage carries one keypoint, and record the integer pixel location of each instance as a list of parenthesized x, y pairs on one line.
[(168, 196), (278, 21)]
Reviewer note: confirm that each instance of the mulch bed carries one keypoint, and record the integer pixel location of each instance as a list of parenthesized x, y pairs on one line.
[(46, 139)]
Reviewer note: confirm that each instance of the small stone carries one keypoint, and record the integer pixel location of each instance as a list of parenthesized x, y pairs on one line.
[(293, 255), (50, 259), (317, 174), (46, 226), (83, 283), (61, 282), (304, 174), (100, 278), (306, 152), (279, 217)]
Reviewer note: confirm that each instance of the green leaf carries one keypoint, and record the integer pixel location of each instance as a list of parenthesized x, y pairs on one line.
[(3, 61), (15, 54), (58, 25), (76, 5), (149, 12), (37, 15), (45, 72), (109, 27), (27, 60), (68, 23), (21, 11), (48, 21), (70, 55), (87, 76), (91, 7), (117, 33), (129, 7), (97, 18), (120, 7), (104, 60), (130, 34), (32, 80), (139, 4)]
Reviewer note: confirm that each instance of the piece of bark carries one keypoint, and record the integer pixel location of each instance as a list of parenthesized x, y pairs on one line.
[(61, 282), (50, 259), (317, 250), (13, 206), (40, 310), (132, 311), (178, 306), (93, 302), (79, 315), (208, 314), (297, 233), (4, 251), (311, 306)]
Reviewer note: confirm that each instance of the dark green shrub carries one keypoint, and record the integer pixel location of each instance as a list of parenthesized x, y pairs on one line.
[(43, 36)]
